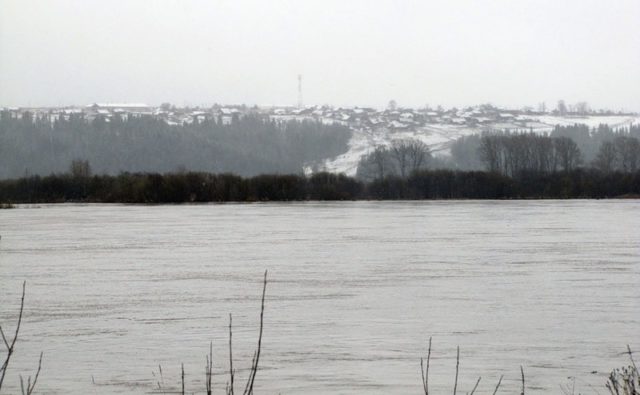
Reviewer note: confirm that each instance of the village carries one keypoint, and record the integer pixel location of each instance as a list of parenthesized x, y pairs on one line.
[(393, 118)]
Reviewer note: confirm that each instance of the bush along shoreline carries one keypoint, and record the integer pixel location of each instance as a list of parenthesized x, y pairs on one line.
[(192, 187)]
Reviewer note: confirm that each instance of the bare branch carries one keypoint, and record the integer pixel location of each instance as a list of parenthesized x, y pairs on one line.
[(426, 382), (208, 369), (422, 373), (455, 386), (5, 364), (254, 367), (182, 376), (253, 361), (425, 372), (498, 386), (6, 343), (631, 358), (231, 372), (476, 386), (31, 386)]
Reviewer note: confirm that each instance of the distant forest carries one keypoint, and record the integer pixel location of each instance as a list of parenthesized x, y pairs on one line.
[(247, 146), (565, 148), (511, 153)]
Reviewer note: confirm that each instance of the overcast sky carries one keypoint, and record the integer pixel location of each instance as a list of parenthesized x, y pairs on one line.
[(507, 52)]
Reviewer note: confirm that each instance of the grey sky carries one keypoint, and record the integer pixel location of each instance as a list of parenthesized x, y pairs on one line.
[(507, 52)]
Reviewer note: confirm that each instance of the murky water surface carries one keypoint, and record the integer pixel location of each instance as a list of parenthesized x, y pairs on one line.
[(355, 291)]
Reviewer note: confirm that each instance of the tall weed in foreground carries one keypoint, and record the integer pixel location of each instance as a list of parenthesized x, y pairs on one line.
[(10, 344), (230, 387), (625, 380)]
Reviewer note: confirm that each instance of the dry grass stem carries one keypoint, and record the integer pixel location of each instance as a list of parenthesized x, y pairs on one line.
[(255, 360), (455, 385), (476, 386), (625, 380), (425, 372), (182, 376), (11, 346), (28, 390), (498, 385), (231, 371), (209, 368), (254, 366)]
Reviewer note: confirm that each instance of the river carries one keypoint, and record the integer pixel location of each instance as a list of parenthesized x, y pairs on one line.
[(355, 290)]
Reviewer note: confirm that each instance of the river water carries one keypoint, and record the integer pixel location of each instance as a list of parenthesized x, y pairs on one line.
[(355, 291)]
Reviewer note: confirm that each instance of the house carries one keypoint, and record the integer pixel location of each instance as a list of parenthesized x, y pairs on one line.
[(396, 125), (124, 107), (406, 117)]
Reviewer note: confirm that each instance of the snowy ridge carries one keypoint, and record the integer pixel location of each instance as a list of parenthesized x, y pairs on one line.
[(440, 136)]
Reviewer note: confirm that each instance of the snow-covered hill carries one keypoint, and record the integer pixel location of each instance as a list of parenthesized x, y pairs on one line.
[(440, 136)]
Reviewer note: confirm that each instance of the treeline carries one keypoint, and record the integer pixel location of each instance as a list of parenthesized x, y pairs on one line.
[(247, 146), (422, 184), (564, 149)]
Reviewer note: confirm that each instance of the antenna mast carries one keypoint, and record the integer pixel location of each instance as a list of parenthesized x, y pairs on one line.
[(299, 90)]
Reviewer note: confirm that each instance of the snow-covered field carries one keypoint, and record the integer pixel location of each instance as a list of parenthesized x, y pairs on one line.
[(440, 136)]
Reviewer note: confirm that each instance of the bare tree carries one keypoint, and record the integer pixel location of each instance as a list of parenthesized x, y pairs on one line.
[(402, 158), (582, 108), (562, 108), (568, 153), (517, 152), (542, 154), (400, 152), (419, 155), (491, 152), (375, 165), (627, 153), (465, 153), (380, 162), (606, 158), (80, 168), (542, 107)]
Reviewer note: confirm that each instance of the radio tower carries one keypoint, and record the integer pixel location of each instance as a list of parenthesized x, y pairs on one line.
[(299, 90)]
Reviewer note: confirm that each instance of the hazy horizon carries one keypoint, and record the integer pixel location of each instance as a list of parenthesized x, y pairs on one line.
[(460, 53)]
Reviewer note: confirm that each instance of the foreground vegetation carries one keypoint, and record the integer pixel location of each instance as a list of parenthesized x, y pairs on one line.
[(29, 386), (424, 184), (621, 381)]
